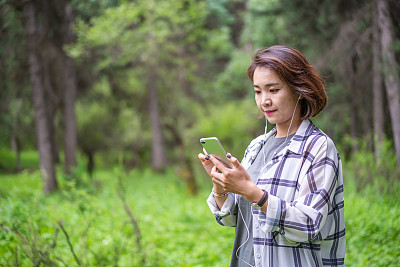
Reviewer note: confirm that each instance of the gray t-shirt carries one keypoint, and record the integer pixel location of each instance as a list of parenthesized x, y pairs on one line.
[(243, 251)]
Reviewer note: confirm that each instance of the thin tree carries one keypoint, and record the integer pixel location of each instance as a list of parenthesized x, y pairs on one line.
[(70, 89), (38, 97), (158, 160), (377, 84), (389, 67)]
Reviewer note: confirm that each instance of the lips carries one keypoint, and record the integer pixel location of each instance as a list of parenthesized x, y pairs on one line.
[(269, 112)]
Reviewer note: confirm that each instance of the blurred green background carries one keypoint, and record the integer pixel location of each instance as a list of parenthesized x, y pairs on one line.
[(103, 103)]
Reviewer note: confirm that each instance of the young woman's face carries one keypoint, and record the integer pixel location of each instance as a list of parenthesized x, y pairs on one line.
[(275, 99)]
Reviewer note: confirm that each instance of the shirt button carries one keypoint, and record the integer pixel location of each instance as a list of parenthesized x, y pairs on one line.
[(256, 225), (258, 256)]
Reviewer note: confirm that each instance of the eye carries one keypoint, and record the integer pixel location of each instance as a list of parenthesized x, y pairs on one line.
[(273, 90), (257, 92)]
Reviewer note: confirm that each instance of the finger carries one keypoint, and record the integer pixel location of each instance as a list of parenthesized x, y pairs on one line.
[(220, 166), (217, 182), (216, 173), (233, 160), (202, 157)]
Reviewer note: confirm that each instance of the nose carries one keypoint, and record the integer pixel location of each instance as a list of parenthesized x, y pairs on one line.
[(266, 100)]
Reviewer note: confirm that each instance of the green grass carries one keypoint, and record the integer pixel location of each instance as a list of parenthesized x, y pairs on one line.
[(176, 229), (372, 231), (8, 162)]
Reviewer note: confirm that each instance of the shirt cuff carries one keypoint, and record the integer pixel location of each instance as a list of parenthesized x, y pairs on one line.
[(226, 209), (270, 222)]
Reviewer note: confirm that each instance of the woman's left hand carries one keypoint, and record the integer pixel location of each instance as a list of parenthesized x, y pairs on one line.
[(235, 180)]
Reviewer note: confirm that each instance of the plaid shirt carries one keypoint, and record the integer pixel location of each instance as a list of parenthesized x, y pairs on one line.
[(304, 224)]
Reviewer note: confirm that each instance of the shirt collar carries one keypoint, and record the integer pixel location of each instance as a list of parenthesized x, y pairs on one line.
[(296, 144)]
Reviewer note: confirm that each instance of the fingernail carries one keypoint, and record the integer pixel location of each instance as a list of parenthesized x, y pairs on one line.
[(228, 156), (207, 158)]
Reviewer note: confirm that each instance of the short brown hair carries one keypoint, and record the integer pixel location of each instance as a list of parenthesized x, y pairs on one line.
[(293, 68)]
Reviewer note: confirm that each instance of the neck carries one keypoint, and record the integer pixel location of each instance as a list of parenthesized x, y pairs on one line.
[(282, 129)]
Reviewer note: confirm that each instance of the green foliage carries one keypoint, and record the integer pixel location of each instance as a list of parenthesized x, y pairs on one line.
[(94, 120), (16, 117), (372, 230), (233, 82), (176, 229), (371, 174), (372, 190), (263, 24), (186, 47), (131, 44), (219, 13), (88, 9), (173, 225), (234, 123)]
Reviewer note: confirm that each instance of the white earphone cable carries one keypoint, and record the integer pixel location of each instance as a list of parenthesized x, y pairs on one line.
[(247, 239)]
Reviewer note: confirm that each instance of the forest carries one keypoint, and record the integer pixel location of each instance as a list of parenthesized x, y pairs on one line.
[(103, 103)]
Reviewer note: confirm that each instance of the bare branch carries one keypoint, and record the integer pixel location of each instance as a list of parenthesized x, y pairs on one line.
[(121, 194), (69, 243)]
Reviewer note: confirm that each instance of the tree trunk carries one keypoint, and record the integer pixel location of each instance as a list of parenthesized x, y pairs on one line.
[(158, 160), (90, 162), (15, 143), (389, 66), (184, 166), (70, 132), (377, 85), (354, 104), (51, 99), (18, 152), (70, 89), (186, 172), (38, 97)]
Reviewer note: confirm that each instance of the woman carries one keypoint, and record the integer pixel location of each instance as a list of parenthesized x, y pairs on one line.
[(286, 197)]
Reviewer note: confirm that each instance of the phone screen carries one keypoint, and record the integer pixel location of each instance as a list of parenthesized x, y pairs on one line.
[(213, 146)]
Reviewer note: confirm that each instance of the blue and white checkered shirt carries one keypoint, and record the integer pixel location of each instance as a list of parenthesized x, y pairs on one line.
[(304, 224)]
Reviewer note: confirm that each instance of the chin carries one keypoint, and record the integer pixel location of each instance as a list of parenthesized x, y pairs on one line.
[(272, 121)]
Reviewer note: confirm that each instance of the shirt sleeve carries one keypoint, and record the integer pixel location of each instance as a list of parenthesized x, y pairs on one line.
[(301, 220), (225, 216)]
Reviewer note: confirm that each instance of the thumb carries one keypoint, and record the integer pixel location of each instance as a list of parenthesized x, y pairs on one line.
[(233, 160)]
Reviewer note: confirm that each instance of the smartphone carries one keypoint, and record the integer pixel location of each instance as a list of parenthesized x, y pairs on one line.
[(213, 146)]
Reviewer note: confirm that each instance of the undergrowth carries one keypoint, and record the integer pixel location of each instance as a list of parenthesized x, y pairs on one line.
[(142, 218), (81, 226)]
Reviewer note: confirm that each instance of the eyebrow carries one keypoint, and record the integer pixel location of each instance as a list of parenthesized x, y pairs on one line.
[(267, 85)]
